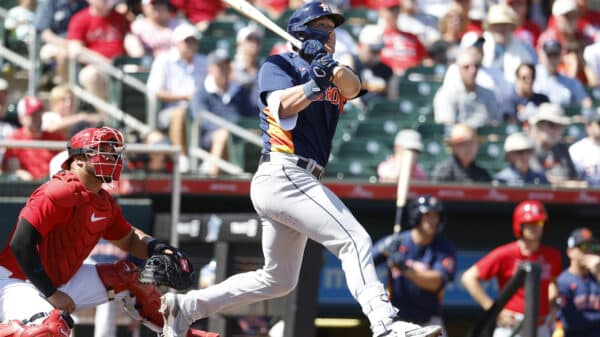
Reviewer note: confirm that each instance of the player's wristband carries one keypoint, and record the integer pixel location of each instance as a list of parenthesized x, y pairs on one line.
[(311, 89)]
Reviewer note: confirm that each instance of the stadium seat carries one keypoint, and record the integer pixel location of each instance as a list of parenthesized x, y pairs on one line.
[(352, 169), (223, 28), (496, 132), (125, 97), (425, 73), (491, 156), (574, 132), (432, 130), (363, 149), (404, 110), (209, 43), (424, 89), (382, 129)]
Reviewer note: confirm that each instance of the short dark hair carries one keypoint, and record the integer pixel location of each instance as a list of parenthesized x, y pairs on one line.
[(525, 65)]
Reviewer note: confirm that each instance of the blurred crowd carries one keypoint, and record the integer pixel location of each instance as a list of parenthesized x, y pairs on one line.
[(532, 65)]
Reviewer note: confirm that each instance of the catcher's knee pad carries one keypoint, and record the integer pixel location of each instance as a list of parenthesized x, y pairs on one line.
[(57, 324)]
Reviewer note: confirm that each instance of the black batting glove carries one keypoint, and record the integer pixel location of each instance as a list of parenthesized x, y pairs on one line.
[(397, 259), (321, 70), (310, 49)]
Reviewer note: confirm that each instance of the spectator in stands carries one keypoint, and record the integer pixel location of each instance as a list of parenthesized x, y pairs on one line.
[(223, 97), (401, 50), (375, 75), (461, 168), (200, 13), (102, 30), (461, 100), (29, 164), (527, 30), (389, 170), (246, 60), (529, 219), (551, 156), (19, 20), (562, 90), (63, 116), (420, 262), (573, 65), (578, 286), (6, 128), (154, 29), (174, 78), (52, 21), (501, 49), (452, 26), (562, 27), (411, 20), (518, 149), (586, 152), (523, 101)]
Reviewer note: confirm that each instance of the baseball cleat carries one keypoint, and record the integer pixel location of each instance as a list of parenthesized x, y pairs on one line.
[(406, 329), (175, 325)]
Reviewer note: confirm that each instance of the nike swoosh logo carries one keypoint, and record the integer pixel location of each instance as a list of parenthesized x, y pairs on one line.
[(94, 218)]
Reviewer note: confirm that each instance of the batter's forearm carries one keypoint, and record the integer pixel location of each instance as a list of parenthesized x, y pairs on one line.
[(24, 246), (429, 280), (347, 82), (290, 101)]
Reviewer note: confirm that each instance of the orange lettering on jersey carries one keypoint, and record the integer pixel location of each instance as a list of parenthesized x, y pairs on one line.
[(333, 96)]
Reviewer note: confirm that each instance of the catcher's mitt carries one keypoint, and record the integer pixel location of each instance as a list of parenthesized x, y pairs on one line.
[(171, 270)]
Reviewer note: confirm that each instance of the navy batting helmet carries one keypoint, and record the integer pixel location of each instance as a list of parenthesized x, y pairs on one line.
[(298, 24), (425, 204)]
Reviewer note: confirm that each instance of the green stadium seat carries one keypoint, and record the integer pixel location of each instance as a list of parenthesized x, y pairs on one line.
[(221, 29), (491, 156), (425, 73), (209, 43), (403, 110), (363, 149), (382, 129), (573, 110), (433, 130), (424, 89), (574, 132), (352, 169), (496, 132)]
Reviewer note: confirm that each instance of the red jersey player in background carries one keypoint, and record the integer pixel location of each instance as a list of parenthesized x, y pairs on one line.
[(41, 267), (529, 218)]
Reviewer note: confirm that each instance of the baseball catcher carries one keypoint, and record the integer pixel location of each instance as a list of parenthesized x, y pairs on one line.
[(42, 274)]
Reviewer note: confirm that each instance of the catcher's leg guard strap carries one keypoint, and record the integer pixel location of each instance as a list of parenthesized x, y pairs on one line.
[(118, 276), (57, 324)]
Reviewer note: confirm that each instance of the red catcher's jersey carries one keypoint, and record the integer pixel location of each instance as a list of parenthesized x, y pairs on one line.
[(71, 220), (503, 262)]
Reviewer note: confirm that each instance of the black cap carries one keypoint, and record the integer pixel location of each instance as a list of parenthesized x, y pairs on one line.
[(552, 47), (580, 236)]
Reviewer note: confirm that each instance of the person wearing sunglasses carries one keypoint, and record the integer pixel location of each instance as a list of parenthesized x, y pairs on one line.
[(578, 286)]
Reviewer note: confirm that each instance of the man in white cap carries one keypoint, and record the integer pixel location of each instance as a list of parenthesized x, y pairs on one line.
[(501, 49), (586, 152), (174, 78), (518, 149), (389, 170), (551, 156), (563, 25), (374, 74)]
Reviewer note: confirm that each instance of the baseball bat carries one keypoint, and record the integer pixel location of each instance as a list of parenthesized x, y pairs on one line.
[(406, 164), (251, 12)]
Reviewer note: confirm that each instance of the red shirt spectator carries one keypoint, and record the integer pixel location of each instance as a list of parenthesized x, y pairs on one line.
[(199, 11), (401, 50), (102, 34), (35, 161)]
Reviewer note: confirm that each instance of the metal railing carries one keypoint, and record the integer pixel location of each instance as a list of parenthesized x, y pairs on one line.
[(173, 151)]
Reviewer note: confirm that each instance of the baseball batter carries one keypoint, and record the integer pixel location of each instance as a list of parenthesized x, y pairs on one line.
[(42, 269), (529, 218), (301, 97)]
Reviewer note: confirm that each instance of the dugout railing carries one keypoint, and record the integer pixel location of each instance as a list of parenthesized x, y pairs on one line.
[(528, 274)]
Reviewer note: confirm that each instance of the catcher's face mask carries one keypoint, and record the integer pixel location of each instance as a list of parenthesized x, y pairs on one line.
[(103, 149)]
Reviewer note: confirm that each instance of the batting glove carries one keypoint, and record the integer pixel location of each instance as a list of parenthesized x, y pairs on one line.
[(321, 70), (310, 49), (398, 260)]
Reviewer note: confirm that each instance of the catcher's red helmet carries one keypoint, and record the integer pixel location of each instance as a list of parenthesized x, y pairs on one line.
[(528, 211), (103, 147)]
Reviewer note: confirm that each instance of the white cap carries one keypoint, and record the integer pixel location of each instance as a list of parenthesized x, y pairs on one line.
[(550, 112), (247, 31), (562, 7), (371, 35), (185, 30), (471, 39), (518, 141), (501, 13), (409, 139)]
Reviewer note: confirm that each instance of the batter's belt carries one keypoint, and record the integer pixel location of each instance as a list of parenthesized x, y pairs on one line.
[(308, 164)]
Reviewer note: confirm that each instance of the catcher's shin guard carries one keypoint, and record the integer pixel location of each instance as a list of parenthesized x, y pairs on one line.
[(144, 300), (57, 324)]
